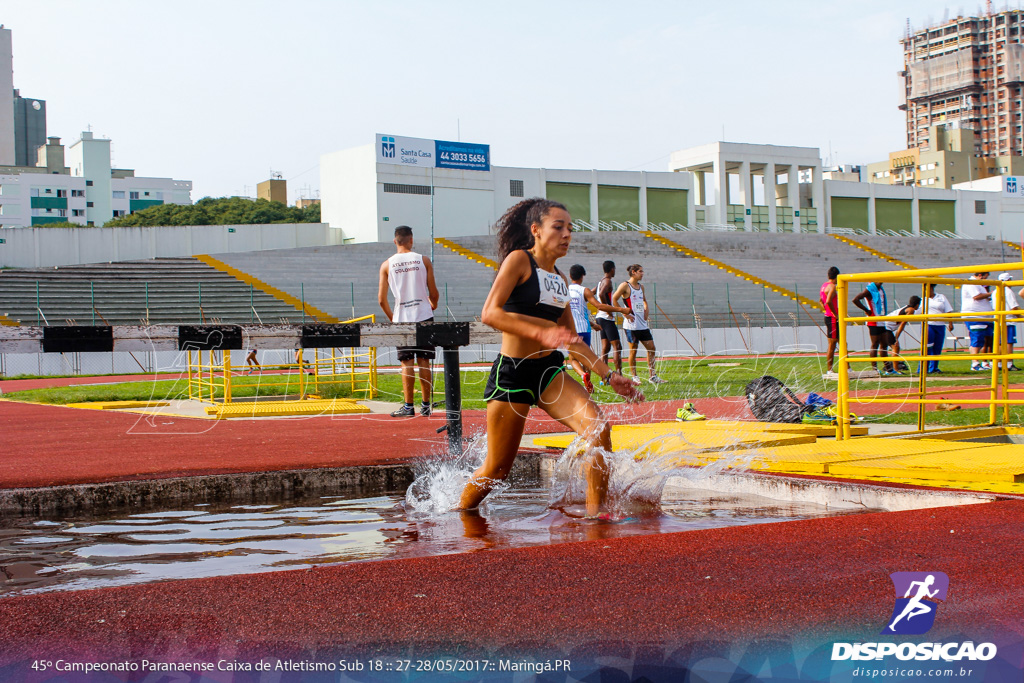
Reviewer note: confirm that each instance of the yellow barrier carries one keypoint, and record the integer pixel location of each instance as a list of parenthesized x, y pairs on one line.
[(211, 373), (998, 388)]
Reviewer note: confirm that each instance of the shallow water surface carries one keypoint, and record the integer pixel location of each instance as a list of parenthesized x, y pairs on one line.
[(205, 540)]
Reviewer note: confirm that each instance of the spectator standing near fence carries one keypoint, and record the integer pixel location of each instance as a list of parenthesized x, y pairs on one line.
[(410, 277), (976, 298), (1012, 304), (830, 302), (877, 304), (896, 328), (637, 330), (610, 340), (936, 303)]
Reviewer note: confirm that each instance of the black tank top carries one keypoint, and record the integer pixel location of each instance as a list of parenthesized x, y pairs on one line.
[(542, 295)]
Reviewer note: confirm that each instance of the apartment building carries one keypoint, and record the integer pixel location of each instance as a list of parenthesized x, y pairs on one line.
[(87, 191), (949, 160), (968, 71)]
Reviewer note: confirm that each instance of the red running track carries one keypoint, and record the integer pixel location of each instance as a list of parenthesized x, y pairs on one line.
[(816, 578), (823, 578)]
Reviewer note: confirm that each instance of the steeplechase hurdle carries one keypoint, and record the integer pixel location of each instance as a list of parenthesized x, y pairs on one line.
[(449, 336)]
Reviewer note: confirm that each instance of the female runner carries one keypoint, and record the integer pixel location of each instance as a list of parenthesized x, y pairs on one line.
[(529, 304)]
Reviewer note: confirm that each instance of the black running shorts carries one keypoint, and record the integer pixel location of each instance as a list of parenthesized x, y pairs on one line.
[(636, 336), (831, 327), (522, 380), (609, 331)]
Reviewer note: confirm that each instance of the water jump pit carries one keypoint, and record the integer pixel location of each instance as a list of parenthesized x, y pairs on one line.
[(665, 478)]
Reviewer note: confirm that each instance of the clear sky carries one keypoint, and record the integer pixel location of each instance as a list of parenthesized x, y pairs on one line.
[(221, 92)]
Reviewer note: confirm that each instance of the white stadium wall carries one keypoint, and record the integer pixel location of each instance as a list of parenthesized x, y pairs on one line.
[(45, 247)]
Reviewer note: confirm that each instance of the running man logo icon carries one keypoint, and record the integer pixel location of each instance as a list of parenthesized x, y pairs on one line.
[(387, 147), (916, 593)]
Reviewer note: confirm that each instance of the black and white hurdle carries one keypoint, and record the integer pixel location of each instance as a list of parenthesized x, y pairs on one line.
[(450, 336)]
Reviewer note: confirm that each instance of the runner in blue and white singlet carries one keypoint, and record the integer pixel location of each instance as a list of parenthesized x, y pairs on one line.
[(580, 315), (579, 298)]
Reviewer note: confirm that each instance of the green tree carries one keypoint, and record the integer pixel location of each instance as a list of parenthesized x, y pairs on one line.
[(62, 224), (219, 211)]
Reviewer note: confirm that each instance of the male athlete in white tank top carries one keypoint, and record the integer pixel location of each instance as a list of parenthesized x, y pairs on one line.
[(410, 278), (637, 329)]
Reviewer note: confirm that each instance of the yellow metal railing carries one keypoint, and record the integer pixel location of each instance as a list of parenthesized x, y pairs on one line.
[(693, 253), (874, 252), (211, 375), (462, 251), (999, 391)]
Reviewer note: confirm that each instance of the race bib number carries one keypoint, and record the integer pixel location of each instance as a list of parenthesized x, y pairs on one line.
[(553, 290)]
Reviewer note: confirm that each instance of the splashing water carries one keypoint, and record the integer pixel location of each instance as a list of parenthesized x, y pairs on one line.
[(439, 482), (636, 479)]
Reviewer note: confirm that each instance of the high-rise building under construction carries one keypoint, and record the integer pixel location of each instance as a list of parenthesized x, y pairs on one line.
[(967, 72)]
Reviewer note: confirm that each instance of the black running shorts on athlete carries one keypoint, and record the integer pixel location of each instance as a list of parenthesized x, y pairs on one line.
[(522, 380), (831, 327), (882, 335), (407, 353), (637, 336), (609, 331)]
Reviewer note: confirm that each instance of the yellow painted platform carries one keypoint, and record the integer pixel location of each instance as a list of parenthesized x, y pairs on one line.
[(969, 462), (286, 408), (676, 437), (799, 428), (118, 405), (758, 446), (822, 457)]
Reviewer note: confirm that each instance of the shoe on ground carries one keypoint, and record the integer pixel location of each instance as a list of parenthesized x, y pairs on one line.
[(637, 380), (986, 366), (831, 374), (975, 367), (404, 411), (425, 409), (656, 380), (1013, 368), (588, 384), (688, 414)]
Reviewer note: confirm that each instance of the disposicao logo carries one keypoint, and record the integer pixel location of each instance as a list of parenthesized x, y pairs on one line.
[(917, 594), (387, 147)]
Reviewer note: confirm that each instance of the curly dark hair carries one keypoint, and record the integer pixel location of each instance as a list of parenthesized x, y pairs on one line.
[(513, 228)]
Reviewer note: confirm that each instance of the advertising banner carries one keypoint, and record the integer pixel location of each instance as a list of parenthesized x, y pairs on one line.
[(1013, 186), (467, 156)]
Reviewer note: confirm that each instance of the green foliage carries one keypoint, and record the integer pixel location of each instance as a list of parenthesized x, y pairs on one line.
[(219, 211), (62, 224)]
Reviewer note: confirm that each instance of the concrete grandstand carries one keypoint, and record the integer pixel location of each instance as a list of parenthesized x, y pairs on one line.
[(340, 282)]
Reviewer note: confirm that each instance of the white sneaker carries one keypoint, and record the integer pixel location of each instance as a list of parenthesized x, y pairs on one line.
[(656, 380), (986, 366), (637, 380), (831, 374)]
